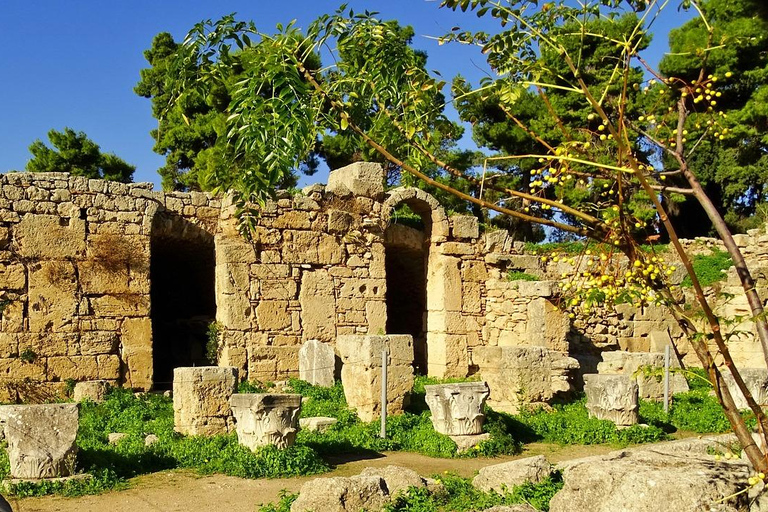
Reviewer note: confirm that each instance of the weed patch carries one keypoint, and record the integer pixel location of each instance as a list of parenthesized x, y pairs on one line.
[(709, 268)]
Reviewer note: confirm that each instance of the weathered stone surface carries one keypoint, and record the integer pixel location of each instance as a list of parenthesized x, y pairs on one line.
[(273, 315), (612, 397), (35, 232), (53, 298), (262, 419), (136, 352), (457, 409), (756, 380), (361, 372), (504, 477), (465, 226), (201, 399), (339, 494), (548, 326), (317, 423), (644, 481), (318, 306), (396, 478), (41, 439), (312, 247), (620, 362), (93, 390), (511, 508), (521, 376), (116, 437), (360, 179), (317, 361)]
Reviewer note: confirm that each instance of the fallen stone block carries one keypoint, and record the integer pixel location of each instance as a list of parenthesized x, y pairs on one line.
[(340, 494), (504, 477), (262, 419), (41, 439), (397, 479), (93, 390), (317, 423)]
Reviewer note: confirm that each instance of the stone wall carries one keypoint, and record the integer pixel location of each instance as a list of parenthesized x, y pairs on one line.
[(76, 286)]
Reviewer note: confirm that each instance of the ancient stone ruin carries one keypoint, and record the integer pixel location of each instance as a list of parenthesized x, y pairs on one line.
[(41, 439), (117, 283), (266, 419)]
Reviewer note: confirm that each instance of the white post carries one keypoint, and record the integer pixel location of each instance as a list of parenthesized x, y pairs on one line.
[(383, 433), (666, 379)]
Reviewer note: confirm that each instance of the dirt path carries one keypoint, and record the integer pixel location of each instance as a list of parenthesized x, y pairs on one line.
[(185, 491)]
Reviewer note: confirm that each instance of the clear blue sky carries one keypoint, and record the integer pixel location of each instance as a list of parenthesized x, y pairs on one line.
[(75, 62)]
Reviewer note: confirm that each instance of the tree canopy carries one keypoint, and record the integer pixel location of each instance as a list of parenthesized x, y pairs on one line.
[(75, 153)]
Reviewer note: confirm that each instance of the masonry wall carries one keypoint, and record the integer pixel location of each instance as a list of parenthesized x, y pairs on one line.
[(76, 286)]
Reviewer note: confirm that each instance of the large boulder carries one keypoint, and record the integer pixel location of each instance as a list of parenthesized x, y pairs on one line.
[(503, 477), (649, 481), (612, 397), (524, 376), (340, 494), (41, 439)]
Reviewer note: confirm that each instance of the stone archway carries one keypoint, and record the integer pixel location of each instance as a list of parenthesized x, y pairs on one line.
[(444, 341)]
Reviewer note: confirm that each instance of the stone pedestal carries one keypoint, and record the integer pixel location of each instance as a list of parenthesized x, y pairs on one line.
[(317, 361), (262, 419), (612, 397), (457, 409), (41, 439), (361, 372), (201, 399), (524, 376)]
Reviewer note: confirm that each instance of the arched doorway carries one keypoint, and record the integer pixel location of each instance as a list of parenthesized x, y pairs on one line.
[(433, 276), (182, 264)]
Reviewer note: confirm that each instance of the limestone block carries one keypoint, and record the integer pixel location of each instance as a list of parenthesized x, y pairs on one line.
[(358, 179), (457, 409), (466, 443), (122, 305), (612, 397), (136, 352), (619, 362), (201, 399), (272, 362), (340, 221), (93, 390), (262, 419), (524, 376), (53, 296), (116, 437), (41, 439), (35, 232), (273, 315), (317, 423), (465, 226), (312, 247), (448, 354), (443, 283), (12, 276), (504, 477), (756, 380), (376, 315), (318, 305), (233, 249), (292, 219), (317, 361), (361, 372), (284, 289), (547, 326), (341, 494)]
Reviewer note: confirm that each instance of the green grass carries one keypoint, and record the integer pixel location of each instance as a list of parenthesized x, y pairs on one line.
[(516, 275), (574, 248), (709, 268)]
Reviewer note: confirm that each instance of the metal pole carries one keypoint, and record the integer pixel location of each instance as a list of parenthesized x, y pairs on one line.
[(383, 433), (666, 379)]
